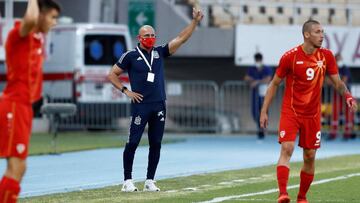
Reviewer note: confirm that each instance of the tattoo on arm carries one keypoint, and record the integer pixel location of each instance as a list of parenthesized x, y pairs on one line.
[(342, 89)]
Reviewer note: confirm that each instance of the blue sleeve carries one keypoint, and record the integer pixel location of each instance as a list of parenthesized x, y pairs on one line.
[(250, 72), (267, 71), (124, 62), (164, 50), (347, 72)]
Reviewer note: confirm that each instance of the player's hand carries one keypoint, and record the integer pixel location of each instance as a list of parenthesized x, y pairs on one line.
[(351, 101), (197, 15), (264, 120), (135, 97)]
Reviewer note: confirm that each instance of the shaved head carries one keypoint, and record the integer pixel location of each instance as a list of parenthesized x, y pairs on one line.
[(308, 25), (147, 37), (146, 28)]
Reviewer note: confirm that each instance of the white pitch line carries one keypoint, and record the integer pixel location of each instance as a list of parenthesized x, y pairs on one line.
[(220, 199), (271, 200)]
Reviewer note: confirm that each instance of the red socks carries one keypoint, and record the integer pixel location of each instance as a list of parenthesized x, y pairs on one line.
[(282, 177), (9, 190), (305, 182)]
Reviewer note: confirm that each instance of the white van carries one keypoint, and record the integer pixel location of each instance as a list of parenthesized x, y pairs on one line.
[(79, 57), (78, 60)]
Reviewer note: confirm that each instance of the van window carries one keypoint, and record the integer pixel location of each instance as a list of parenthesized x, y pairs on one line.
[(103, 49)]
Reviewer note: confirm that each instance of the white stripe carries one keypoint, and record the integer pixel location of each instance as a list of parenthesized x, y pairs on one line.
[(123, 56), (220, 199), (144, 58)]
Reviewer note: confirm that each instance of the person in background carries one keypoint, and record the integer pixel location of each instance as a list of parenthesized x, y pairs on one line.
[(338, 105), (258, 76), (25, 53)]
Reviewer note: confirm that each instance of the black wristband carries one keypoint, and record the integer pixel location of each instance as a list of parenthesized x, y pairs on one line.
[(123, 89)]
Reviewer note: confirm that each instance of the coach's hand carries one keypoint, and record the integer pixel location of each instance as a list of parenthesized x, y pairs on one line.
[(197, 15), (135, 97), (264, 120)]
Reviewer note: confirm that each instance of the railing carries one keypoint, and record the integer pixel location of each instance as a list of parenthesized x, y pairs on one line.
[(193, 106), (237, 103), (197, 106)]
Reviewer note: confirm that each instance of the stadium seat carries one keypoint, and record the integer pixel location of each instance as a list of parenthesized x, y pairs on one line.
[(320, 1), (288, 11), (303, 1), (338, 1), (286, 1), (355, 18), (322, 15), (304, 14), (353, 1), (229, 12), (339, 17), (279, 15), (235, 11), (257, 15), (221, 18)]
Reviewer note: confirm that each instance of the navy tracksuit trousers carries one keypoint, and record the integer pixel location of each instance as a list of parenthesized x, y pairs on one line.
[(154, 115)]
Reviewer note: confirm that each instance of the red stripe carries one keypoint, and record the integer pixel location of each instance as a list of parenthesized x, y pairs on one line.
[(59, 76), (49, 76), (70, 76)]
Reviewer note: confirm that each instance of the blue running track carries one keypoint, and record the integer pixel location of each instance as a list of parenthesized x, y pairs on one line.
[(198, 154)]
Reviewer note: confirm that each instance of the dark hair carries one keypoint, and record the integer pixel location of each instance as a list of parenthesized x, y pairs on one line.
[(258, 56), (49, 4), (308, 24)]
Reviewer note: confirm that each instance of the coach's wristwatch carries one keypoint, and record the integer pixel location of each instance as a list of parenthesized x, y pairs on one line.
[(123, 89)]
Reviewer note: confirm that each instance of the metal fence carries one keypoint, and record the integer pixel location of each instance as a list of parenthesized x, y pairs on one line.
[(195, 106), (96, 116), (236, 103)]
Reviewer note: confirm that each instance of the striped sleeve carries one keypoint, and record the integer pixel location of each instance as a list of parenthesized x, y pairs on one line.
[(124, 61)]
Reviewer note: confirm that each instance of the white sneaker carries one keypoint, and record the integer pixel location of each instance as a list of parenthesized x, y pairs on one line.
[(129, 186), (150, 186)]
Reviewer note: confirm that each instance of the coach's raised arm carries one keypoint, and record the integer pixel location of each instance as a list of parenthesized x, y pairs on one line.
[(187, 32)]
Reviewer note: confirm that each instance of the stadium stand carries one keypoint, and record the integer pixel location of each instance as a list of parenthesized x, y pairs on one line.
[(227, 13)]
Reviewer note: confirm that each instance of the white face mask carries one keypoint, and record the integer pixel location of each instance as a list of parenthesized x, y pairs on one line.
[(340, 64), (258, 64)]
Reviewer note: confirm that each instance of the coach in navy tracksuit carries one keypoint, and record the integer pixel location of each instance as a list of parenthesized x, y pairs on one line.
[(145, 66)]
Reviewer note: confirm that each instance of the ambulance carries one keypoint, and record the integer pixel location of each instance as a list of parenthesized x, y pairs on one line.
[(78, 59)]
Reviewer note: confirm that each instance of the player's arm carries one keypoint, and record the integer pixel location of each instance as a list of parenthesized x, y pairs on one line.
[(186, 33), (114, 75), (30, 19), (270, 93), (341, 88)]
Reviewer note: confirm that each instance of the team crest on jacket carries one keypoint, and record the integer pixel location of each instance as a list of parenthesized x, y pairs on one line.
[(156, 55), (137, 120)]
